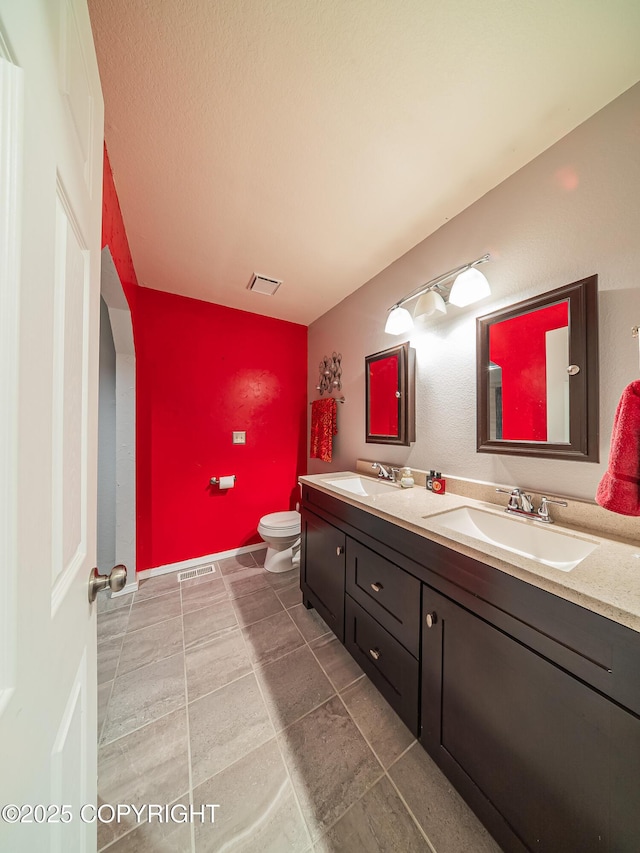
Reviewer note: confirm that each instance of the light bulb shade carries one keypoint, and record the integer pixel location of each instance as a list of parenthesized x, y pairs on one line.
[(398, 321), (430, 303), (470, 286)]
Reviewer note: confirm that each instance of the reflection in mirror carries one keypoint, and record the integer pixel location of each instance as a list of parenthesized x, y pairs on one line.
[(384, 392), (528, 379), (538, 376), (389, 392)]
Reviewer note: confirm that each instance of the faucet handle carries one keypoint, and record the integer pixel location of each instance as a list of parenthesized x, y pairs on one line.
[(383, 473), (514, 497), (526, 503), (543, 512)]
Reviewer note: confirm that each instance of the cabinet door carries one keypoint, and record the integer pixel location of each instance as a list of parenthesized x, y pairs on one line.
[(531, 748), (323, 570)]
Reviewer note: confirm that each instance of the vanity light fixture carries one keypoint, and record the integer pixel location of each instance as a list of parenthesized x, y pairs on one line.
[(469, 286), (428, 304), (398, 321)]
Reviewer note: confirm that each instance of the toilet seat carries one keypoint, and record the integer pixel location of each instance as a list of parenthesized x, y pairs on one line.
[(281, 522)]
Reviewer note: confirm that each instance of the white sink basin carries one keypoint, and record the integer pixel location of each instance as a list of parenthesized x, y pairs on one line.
[(520, 536), (362, 485)]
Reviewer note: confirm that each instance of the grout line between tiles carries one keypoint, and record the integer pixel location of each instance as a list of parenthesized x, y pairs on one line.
[(144, 665), (186, 710), (151, 625), (286, 766), (254, 668), (116, 609), (406, 805), (249, 624), (366, 740), (113, 681), (222, 686), (139, 728), (347, 810), (106, 714), (385, 773), (146, 627), (403, 753), (337, 689), (306, 714), (99, 642), (162, 594)]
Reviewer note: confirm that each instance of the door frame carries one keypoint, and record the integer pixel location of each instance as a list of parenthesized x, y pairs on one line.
[(11, 167), (112, 292)]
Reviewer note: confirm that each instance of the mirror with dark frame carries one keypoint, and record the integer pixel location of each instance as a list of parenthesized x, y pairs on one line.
[(389, 396), (537, 376)]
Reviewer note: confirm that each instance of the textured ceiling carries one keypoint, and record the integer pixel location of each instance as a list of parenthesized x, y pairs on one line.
[(316, 141)]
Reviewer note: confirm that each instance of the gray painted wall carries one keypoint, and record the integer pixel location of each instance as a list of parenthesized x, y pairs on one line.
[(571, 212), (106, 445)]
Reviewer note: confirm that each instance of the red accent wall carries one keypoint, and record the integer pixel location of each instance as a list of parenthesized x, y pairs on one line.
[(519, 347), (202, 371), (113, 233)]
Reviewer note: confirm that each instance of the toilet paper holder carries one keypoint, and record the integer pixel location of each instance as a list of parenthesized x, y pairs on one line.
[(214, 481)]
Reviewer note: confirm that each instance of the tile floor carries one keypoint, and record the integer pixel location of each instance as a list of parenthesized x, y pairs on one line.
[(225, 690)]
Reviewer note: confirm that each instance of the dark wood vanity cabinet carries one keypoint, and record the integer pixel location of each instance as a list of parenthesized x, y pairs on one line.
[(322, 570), (382, 627), (528, 703), (544, 759)]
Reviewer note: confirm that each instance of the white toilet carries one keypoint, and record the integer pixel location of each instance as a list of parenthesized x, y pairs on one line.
[(281, 532)]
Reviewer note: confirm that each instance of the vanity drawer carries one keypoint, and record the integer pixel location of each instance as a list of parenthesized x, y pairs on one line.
[(386, 591), (388, 664)]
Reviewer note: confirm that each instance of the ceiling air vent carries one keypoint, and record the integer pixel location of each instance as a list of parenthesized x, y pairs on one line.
[(263, 284)]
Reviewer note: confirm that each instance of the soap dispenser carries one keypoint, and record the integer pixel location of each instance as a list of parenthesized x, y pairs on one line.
[(406, 478)]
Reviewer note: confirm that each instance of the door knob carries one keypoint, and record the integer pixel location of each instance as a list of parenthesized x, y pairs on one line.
[(339, 550), (431, 619), (115, 580)]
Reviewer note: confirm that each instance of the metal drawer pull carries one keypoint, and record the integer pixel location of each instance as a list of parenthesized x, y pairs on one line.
[(339, 550), (375, 654), (431, 619), (376, 587)]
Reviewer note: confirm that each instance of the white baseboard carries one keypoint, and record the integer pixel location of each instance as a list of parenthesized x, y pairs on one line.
[(130, 587), (199, 561)]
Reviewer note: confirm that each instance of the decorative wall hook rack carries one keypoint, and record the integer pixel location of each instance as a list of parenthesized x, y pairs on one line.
[(329, 378)]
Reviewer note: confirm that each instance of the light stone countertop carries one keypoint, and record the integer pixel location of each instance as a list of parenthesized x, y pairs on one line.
[(606, 582)]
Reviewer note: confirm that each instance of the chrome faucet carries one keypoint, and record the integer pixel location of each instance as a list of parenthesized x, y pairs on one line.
[(543, 512), (521, 504), (386, 473)]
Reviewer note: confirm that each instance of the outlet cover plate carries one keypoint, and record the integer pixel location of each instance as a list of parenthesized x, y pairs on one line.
[(239, 437)]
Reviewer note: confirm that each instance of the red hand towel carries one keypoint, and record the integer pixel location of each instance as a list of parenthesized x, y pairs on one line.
[(619, 489), (323, 427)]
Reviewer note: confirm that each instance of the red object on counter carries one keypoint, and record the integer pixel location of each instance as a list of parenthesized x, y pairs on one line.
[(439, 485)]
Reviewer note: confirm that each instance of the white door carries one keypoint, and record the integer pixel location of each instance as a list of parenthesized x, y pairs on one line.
[(51, 130)]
